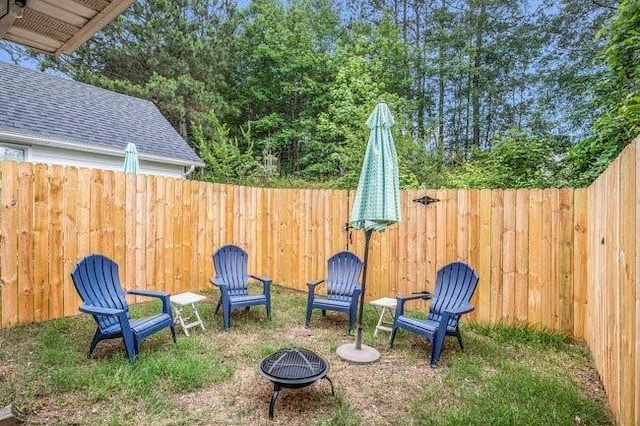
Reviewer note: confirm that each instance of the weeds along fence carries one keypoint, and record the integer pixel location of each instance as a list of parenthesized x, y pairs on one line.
[(565, 259)]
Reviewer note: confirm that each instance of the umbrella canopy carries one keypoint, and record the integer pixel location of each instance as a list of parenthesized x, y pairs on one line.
[(377, 203), (131, 163)]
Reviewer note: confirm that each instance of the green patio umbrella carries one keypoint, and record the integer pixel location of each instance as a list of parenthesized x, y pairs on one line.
[(377, 205), (131, 163)]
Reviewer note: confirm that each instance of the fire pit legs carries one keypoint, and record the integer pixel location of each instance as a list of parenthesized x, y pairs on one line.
[(331, 383), (274, 395), (276, 390), (293, 368)]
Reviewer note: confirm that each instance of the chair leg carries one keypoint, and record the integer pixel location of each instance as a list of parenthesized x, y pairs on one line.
[(392, 337), (352, 320), (173, 334), (324, 312), (130, 346), (94, 342), (459, 336), (436, 348), (218, 306), (268, 306), (226, 316), (308, 319)]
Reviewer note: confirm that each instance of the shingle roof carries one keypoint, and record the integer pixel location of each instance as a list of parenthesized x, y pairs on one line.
[(47, 106)]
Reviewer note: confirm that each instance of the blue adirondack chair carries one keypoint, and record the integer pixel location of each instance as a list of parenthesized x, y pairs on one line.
[(343, 287), (97, 281), (232, 278), (455, 284)]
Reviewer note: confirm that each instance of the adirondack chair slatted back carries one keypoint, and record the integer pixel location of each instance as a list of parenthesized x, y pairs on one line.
[(455, 284), (343, 274), (231, 266), (97, 281)]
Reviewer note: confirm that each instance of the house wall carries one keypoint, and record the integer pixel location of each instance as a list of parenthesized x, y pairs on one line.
[(67, 157)]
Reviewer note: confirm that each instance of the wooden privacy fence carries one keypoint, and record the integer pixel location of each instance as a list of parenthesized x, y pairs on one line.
[(162, 232), (566, 259), (612, 326)]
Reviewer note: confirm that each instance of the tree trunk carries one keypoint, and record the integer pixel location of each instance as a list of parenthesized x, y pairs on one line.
[(477, 67), (441, 83)]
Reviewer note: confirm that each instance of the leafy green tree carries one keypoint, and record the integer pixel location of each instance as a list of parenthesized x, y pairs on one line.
[(175, 53), (618, 97), (516, 161), (283, 71)]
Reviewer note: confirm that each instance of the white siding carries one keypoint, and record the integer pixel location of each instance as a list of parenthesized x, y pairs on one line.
[(67, 157)]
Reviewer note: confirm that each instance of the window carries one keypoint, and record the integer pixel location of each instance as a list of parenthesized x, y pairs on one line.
[(10, 152)]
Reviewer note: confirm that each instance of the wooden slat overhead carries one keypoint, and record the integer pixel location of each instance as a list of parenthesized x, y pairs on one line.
[(60, 26)]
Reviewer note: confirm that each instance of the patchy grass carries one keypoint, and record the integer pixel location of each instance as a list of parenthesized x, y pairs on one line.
[(506, 375)]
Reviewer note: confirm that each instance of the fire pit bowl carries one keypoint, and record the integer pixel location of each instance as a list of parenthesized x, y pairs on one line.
[(293, 368)]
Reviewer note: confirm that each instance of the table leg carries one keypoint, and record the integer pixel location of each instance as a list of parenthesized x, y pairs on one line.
[(179, 319), (197, 314), (375, 333)]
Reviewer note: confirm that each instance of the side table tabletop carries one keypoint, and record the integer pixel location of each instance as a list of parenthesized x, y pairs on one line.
[(386, 306), (185, 306)]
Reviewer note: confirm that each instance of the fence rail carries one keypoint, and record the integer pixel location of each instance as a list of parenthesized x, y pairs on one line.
[(566, 259)]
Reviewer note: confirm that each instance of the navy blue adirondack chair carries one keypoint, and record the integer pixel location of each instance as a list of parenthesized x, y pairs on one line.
[(455, 284), (232, 278), (343, 287), (97, 281)]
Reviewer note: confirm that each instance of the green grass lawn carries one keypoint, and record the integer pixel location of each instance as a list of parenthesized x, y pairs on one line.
[(505, 376)]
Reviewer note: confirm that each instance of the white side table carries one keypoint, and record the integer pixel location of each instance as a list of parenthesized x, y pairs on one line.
[(185, 306), (387, 309)]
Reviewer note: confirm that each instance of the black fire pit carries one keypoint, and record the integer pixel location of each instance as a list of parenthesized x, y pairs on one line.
[(293, 368)]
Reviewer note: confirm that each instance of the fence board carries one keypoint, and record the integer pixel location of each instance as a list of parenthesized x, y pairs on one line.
[(628, 277), (41, 243), (9, 250), (119, 222), (158, 243), (534, 314), (56, 304), (25, 258), (484, 259), (497, 231), (508, 266), (565, 261), (580, 262), (522, 255)]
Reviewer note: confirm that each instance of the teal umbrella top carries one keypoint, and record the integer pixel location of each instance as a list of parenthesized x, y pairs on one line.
[(377, 203), (131, 163)]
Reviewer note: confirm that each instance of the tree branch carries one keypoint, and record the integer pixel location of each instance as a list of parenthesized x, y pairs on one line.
[(601, 4)]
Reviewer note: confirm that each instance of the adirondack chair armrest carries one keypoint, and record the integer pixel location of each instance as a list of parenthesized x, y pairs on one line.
[(459, 310), (266, 283), (99, 310), (261, 279), (166, 306), (401, 300), (448, 313), (148, 293), (218, 282), (313, 284)]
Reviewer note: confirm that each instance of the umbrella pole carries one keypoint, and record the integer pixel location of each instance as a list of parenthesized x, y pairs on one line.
[(367, 237)]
